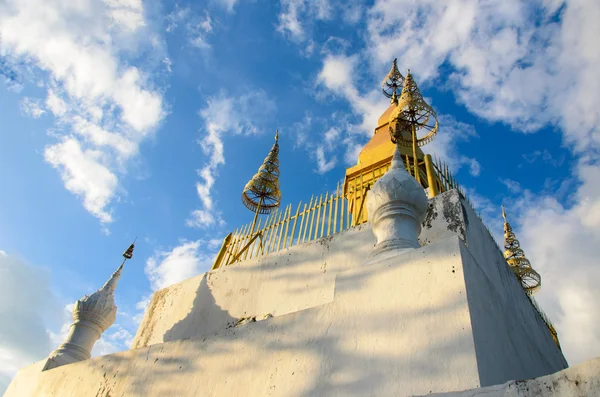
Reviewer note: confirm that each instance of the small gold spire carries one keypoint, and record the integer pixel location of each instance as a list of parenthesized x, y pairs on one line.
[(128, 254), (261, 194), (392, 83), (520, 265), (411, 115)]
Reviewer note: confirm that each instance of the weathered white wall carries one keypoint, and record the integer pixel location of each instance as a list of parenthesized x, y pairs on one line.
[(580, 381), (396, 327), (283, 282), (444, 317), (276, 284)]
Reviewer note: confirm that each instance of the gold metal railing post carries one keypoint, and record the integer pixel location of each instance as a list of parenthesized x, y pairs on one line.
[(221, 253), (433, 190)]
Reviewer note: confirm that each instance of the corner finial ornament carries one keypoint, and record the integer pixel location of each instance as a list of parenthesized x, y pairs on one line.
[(397, 206), (392, 83), (92, 315), (530, 280)]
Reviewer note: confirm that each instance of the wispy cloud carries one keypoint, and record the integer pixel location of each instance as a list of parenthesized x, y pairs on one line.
[(224, 115), (187, 260), (103, 106), (32, 107), (509, 65), (197, 28), (561, 243)]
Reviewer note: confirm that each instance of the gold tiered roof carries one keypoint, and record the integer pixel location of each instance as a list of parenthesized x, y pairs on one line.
[(407, 108)]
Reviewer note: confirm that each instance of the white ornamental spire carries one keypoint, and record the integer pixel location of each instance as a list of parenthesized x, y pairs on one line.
[(92, 315), (397, 206)]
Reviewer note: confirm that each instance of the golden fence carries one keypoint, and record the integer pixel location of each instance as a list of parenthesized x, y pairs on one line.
[(323, 215)]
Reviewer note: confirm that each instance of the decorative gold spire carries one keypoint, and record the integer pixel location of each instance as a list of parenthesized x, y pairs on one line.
[(520, 265), (128, 254), (392, 83), (261, 194), (412, 114)]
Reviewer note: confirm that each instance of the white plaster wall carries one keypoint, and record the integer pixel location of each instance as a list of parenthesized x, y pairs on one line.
[(425, 321), (580, 381), (283, 282), (276, 284), (396, 327), (303, 276)]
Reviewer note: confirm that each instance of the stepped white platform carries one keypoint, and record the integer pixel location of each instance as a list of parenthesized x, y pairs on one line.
[(319, 319)]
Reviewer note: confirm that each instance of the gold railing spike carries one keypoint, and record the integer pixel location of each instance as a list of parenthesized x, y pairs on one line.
[(324, 214), (286, 221), (331, 199), (308, 215), (294, 226)]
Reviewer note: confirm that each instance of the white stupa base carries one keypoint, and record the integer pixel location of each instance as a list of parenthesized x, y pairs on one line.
[(411, 324)]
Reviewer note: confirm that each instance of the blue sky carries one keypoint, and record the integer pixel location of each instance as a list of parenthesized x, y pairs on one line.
[(125, 118)]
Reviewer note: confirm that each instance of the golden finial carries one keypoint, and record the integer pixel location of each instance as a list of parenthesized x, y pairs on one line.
[(412, 115), (520, 265), (261, 194), (392, 83), (128, 254)]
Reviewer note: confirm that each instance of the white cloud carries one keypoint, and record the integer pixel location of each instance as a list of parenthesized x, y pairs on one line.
[(85, 174), (55, 104), (445, 144), (128, 13), (32, 107), (187, 260), (545, 156), (104, 105), (512, 186), (175, 17), (561, 243), (224, 115), (509, 66), (228, 4), (26, 304), (295, 15), (197, 28), (323, 165), (339, 76)]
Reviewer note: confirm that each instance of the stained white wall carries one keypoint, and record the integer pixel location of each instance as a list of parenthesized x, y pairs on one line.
[(580, 381), (448, 316), (280, 283)]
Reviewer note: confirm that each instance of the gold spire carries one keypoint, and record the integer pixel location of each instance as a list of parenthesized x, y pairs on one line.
[(392, 83), (412, 114), (128, 254), (261, 194), (520, 265)]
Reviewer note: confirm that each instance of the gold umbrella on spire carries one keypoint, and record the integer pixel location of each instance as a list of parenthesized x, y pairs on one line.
[(392, 84), (261, 194), (412, 116), (520, 265)]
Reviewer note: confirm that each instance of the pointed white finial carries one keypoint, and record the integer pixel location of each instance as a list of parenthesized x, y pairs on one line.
[(92, 315), (397, 206)]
